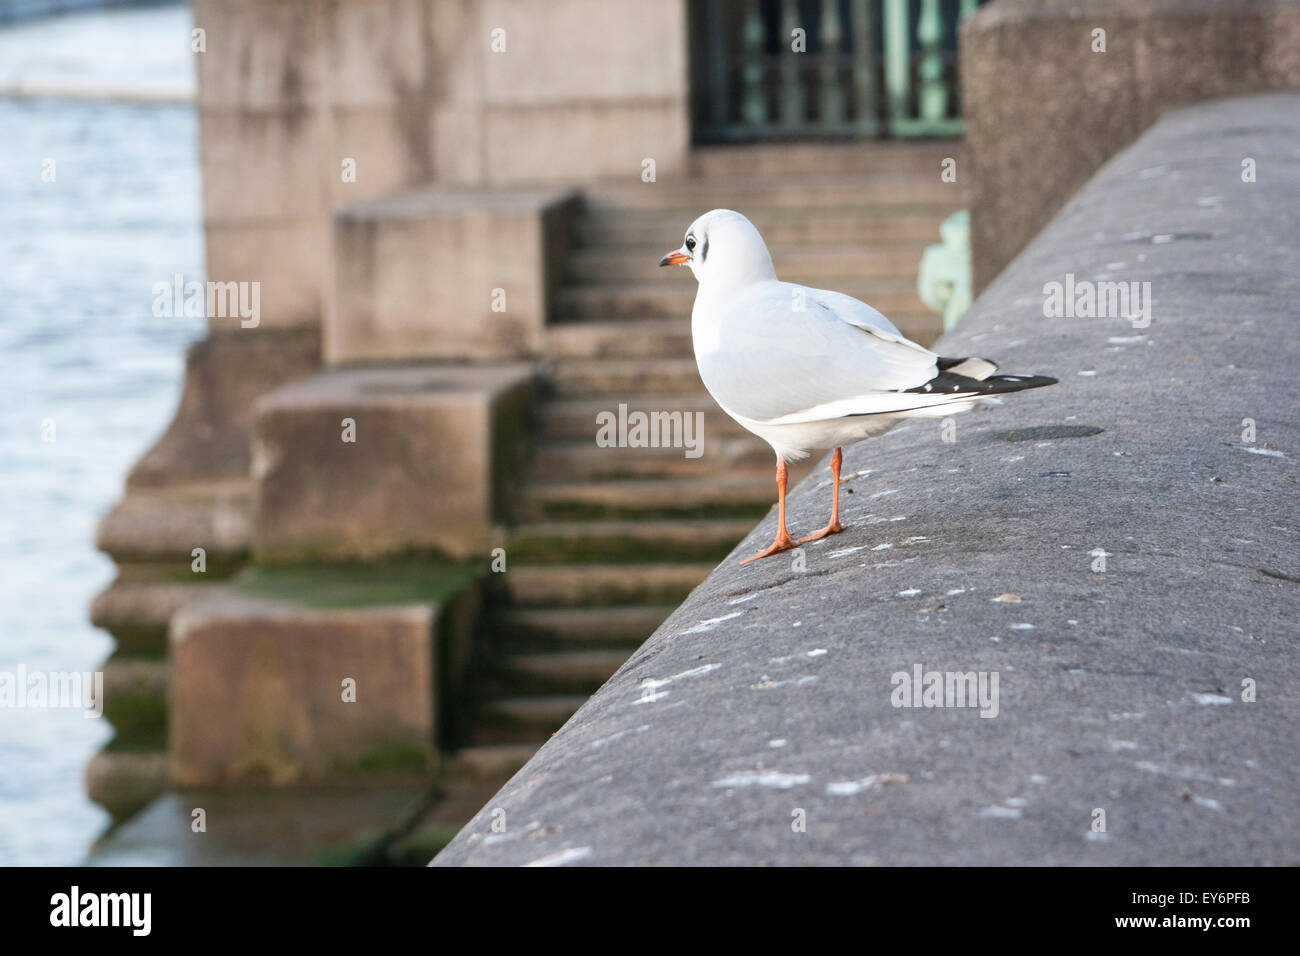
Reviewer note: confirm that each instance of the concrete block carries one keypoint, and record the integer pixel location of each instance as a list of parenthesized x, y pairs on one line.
[(1043, 111), (257, 689), (417, 275), (434, 449)]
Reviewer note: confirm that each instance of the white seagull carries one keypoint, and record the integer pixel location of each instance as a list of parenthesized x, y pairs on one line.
[(807, 368)]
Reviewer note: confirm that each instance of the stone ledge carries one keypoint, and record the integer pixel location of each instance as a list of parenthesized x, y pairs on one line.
[(165, 525)]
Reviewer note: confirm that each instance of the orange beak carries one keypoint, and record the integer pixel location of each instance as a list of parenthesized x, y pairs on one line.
[(675, 258)]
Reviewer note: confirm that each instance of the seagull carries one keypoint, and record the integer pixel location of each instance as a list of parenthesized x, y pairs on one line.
[(807, 368)]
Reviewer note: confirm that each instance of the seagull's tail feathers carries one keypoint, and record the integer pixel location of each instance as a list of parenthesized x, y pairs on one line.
[(974, 377)]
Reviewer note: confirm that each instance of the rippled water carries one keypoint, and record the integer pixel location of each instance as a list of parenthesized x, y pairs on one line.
[(79, 347)]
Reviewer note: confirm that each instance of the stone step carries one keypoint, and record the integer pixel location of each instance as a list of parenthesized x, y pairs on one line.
[(655, 298), (805, 263), (664, 377), (626, 541), (583, 460), (585, 585), (555, 672), (490, 761), (124, 781), (846, 224), (136, 612), (620, 338), (789, 159), (165, 524), (809, 191), (732, 493), (517, 720), (135, 694), (576, 417), (543, 628)]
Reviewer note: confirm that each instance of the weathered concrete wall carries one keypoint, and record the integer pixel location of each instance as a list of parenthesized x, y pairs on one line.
[(415, 92), (1113, 548), (1043, 111)]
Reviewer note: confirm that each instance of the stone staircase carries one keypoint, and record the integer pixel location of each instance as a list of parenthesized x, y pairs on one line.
[(607, 541)]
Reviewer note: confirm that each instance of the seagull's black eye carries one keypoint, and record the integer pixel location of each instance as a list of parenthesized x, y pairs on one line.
[(690, 243)]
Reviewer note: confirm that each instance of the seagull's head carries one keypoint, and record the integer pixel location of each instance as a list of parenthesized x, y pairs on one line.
[(722, 247)]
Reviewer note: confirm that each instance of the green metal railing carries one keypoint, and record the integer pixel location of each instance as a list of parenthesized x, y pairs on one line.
[(788, 69)]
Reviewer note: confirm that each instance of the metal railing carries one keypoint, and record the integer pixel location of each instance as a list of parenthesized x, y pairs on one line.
[(788, 69)]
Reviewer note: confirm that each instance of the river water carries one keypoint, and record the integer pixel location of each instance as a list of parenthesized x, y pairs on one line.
[(88, 378)]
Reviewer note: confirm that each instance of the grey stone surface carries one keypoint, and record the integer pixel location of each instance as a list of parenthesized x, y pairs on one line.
[(769, 690)]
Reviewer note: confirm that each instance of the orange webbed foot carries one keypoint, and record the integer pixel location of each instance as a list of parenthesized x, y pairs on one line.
[(783, 542), (833, 528)]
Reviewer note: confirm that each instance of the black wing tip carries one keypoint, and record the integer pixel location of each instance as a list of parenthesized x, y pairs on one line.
[(950, 383), (1022, 381)]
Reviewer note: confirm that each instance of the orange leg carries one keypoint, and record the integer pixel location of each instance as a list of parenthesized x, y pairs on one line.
[(834, 527), (783, 540)]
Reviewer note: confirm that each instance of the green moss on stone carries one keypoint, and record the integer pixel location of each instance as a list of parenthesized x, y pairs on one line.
[(148, 737), (387, 758), (356, 585), (140, 640), (139, 708), (587, 511), (554, 549)]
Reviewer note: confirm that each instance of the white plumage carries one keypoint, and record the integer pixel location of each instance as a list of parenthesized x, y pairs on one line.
[(807, 368)]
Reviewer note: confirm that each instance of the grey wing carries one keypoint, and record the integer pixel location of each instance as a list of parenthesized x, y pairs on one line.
[(791, 357)]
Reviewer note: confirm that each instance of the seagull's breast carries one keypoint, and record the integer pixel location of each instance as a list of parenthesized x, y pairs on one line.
[(719, 314), (706, 328)]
